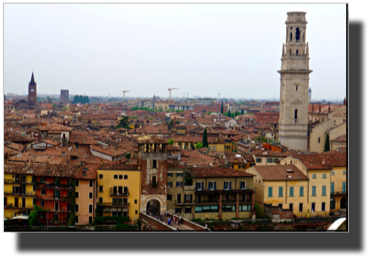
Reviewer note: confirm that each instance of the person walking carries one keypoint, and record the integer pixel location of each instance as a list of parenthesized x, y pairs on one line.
[(169, 221)]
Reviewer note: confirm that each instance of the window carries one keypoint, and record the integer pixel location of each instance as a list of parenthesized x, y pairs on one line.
[(300, 207), (43, 192), (211, 185), (313, 207), (76, 194), (323, 206), (280, 191), (314, 176), (100, 188), (188, 198), (324, 176), (154, 165), (188, 210), (89, 208), (258, 160), (101, 200), (314, 191), (120, 177), (178, 184), (178, 210), (76, 183), (115, 177), (296, 54), (170, 174), (170, 197), (179, 174), (319, 140), (323, 190), (76, 208), (125, 177), (228, 208), (90, 195), (170, 184), (42, 203), (245, 208), (344, 172), (199, 186), (135, 202), (227, 185), (301, 191), (135, 211), (90, 220), (332, 187), (344, 187), (242, 185), (333, 172), (270, 160), (34, 187), (291, 206), (291, 191), (269, 191)]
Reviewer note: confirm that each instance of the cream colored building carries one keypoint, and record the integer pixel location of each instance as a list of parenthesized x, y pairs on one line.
[(293, 121)]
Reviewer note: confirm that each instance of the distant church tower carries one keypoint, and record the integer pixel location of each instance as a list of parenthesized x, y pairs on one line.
[(293, 123), (309, 95), (32, 92)]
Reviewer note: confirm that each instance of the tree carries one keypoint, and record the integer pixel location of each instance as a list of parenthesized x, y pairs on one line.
[(204, 141), (134, 117), (229, 113), (242, 112), (236, 113), (54, 106), (198, 146), (327, 143), (259, 211), (64, 108), (33, 216), (170, 142), (221, 110), (124, 123)]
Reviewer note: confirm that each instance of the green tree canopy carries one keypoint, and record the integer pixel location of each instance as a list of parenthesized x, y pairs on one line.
[(221, 110), (123, 123), (170, 142), (205, 142), (229, 113), (33, 216), (198, 146)]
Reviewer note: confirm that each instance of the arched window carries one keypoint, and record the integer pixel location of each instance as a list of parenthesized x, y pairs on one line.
[(295, 114), (297, 52), (291, 36), (290, 52), (298, 34), (296, 88)]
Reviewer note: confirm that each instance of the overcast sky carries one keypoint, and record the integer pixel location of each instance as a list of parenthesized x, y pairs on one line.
[(204, 49)]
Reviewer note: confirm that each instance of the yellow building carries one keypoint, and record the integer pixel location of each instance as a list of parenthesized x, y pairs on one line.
[(19, 190), (119, 190), (283, 186), (161, 105), (326, 172)]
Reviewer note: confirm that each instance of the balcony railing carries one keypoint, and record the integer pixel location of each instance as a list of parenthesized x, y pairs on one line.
[(188, 202), (119, 194), (114, 204), (20, 193), (9, 181), (52, 186), (55, 198)]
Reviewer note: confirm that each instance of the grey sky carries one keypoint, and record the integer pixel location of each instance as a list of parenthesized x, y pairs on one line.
[(205, 49)]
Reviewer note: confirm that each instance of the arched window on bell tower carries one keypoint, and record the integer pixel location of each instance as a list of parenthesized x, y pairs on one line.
[(291, 36), (296, 115), (298, 34)]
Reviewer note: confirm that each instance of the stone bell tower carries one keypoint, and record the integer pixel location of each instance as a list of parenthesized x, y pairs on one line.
[(294, 95)]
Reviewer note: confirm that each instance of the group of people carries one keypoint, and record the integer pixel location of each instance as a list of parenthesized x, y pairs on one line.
[(176, 220)]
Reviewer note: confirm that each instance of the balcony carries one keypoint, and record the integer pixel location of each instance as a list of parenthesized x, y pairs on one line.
[(114, 205), (52, 186), (55, 198), (214, 201), (19, 193), (184, 202), (118, 194), (9, 181), (215, 190)]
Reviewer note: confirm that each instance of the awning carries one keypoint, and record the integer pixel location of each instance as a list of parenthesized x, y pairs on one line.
[(20, 218)]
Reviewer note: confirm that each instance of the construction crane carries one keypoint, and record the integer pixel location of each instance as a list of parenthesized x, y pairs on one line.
[(170, 93), (124, 94)]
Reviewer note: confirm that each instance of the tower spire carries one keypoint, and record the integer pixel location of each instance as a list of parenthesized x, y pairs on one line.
[(32, 80)]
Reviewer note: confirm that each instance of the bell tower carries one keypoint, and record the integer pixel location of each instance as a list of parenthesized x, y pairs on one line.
[(32, 92), (294, 89)]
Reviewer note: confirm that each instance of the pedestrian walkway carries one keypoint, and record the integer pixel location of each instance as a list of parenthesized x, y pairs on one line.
[(180, 227)]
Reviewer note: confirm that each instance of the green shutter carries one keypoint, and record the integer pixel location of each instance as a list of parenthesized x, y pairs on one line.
[(314, 191), (291, 194), (301, 191), (280, 191), (323, 190), (332, 187), (269, 192)]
